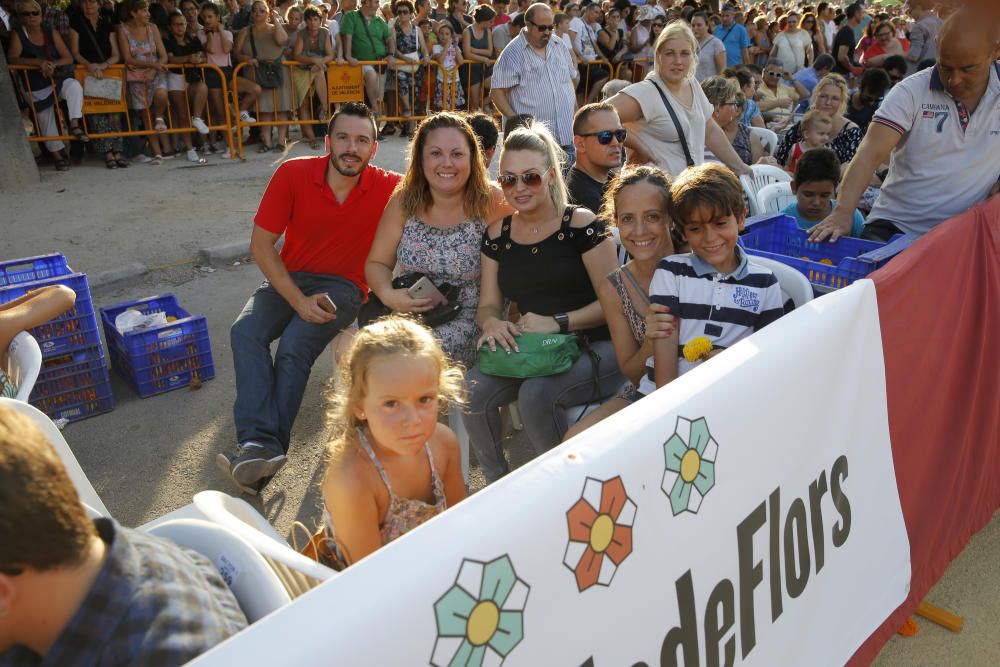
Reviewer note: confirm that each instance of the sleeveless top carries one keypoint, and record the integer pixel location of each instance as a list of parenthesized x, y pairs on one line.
[(549, 276), (742, 145), (7, 388), (636, 322), (37, 83), (311, 50), (448, 255), (143, 51), (609, 54), (401, 514)]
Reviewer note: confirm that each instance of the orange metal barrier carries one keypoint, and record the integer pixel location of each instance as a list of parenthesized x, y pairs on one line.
[(590, 76), (345, 83), (482, 96), (93, 105), (635, 69)]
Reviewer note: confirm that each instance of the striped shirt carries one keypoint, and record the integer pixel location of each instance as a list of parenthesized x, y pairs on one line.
[(542, 87), (723, 308)]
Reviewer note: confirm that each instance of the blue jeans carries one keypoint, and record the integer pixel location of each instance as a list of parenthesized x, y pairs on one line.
[(269, 393), (542, 402)]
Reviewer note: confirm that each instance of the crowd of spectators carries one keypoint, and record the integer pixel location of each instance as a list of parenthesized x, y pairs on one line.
[(656, 159)]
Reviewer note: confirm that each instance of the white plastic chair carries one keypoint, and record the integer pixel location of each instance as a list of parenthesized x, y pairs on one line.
[(250, 578), (297, 573), (774, 197), (622, 253), (24, 363), (767, 137), (76, 475), (763, 174), (794, 285)]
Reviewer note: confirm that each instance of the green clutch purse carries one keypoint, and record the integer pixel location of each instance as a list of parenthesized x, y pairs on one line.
[(540, 355)]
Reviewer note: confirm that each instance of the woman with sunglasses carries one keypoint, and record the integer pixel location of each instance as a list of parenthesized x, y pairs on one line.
[(433, 225), (637, 203), (811, 25), (728, 100), (40, 47), (548, 258), (677, 140)]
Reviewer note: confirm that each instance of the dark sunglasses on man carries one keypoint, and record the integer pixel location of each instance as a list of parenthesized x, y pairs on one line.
[(604, 137), (542, 28)]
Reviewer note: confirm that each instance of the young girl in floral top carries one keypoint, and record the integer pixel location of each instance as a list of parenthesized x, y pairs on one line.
[(449, 56), (392, 465)]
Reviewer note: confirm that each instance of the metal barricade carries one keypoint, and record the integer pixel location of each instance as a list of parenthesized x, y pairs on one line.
[(590, 75), (634, 69), (474, 100), (345, 83), (96, 105)]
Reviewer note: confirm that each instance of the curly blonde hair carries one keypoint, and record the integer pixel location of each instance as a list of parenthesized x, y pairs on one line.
[(391, 335)]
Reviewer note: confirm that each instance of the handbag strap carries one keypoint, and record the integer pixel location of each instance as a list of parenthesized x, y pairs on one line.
[(643, 293), (253, 44), (677, 123), (92, 34), (368, 32)]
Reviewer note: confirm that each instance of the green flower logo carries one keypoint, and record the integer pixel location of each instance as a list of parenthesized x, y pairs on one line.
[(690, 465), (481, 618)]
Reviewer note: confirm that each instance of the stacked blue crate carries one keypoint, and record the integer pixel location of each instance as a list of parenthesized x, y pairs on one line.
[(73, 383)]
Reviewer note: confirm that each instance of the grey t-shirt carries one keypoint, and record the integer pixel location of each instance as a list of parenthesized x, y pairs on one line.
[(706, 58)]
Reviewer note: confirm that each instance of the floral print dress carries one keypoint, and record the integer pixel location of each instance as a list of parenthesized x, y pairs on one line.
[(448, 256)]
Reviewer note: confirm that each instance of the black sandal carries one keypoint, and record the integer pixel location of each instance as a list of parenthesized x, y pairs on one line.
[(110, 163), (62, 164), (77, 133), (122, 162)]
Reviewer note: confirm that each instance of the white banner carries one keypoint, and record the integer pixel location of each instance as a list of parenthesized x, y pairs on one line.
[(745, 514)]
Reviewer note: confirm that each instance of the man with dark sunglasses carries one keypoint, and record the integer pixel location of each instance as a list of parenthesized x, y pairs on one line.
[(536, 75), (598, 137)]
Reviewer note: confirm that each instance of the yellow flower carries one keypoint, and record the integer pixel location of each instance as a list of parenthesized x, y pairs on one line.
[(697, 349)]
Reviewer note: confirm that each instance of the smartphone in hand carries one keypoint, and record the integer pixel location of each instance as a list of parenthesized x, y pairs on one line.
[(425, 289), (327, 304)]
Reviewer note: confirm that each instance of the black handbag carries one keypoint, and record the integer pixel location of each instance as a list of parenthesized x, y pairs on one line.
[(373, 309), (269, 72)]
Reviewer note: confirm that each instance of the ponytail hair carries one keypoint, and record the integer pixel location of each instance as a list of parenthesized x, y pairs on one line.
[(536, 137)]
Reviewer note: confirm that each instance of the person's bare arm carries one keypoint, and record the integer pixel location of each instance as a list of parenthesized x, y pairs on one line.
[(346, 40), (266, 255), (630, 111), (665, 361), (720, 61), (502, 102), (873, 151), (34, 308), (843, 58), (353, 510), (630, 355)]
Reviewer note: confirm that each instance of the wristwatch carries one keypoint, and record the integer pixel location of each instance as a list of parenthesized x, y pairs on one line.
[(562, 319)]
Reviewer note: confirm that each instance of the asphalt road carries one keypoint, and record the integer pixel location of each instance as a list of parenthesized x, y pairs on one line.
[(149, 456)]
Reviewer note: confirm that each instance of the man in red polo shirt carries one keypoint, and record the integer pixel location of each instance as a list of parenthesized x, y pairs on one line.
[(328, 208)]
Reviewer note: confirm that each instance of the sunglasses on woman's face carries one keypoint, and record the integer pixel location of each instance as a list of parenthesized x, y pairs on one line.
[(33, 13), (260, 11), (531, 179), (403, 12), (604, 137)]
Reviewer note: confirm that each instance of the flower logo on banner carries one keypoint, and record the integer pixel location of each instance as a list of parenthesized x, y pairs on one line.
[(690, 465), (481, 618), (600, 532)]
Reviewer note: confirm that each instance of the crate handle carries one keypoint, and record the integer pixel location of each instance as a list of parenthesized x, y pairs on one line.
[(891, 249), (19, 267), (170, 333)]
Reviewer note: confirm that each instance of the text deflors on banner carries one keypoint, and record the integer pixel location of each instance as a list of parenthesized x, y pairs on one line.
[(788, 552)]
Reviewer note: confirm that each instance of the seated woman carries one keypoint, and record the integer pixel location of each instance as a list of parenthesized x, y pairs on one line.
[(830, 96), (728, 101), (34, 308), (549, 258), (392, 465), (433, 224), (637, 201)]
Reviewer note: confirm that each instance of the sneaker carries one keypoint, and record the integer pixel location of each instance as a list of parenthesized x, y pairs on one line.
[(210, 147), (226, 155), (251, 463), (192, 156), (199, 125), (247, 118), (142, 158)]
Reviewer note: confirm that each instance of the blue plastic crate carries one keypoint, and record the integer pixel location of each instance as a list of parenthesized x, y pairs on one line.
[(161, 358), (30, 269), (76, 370), (78, 403), (828, 266), (75, 329)]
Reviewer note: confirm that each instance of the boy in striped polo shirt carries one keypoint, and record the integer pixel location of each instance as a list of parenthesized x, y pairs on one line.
[(713, 292)]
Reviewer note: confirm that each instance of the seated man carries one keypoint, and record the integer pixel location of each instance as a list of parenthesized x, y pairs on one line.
[(810, 76), (865, 101), (598, 137), (80, 592), (779, 92)]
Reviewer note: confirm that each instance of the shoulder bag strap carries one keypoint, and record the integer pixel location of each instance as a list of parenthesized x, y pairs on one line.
[(368, 32), (93, 39), (643, 293), (723, 38), (253, 44), (677, 123)]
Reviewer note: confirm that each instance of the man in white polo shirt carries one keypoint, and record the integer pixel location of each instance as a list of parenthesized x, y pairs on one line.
[(942, 129)]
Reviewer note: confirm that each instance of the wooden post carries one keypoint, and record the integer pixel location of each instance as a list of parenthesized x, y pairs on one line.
[(945, 619)]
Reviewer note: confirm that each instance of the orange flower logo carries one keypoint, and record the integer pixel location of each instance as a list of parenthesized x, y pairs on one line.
[(600, 532)]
